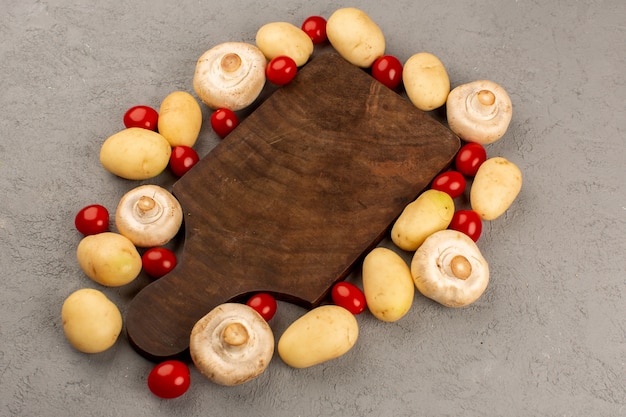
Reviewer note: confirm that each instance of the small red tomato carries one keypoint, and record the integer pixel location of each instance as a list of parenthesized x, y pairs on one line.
[(169, 379), (223, 121), (91, 220), (315, 27), (451, 182), (469, 158), (141, 116), (468, 222), (348, 296), (264, 304), (388, 70), (182, 159), (281, 70), (158, 261)]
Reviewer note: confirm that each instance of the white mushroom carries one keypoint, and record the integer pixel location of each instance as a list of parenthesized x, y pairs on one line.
[(232, 344), (479, 111), (449, 268), (230, 75), (149, 216)]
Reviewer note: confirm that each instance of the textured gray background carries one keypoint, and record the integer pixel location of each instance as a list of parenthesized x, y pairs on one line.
[(548, 336)]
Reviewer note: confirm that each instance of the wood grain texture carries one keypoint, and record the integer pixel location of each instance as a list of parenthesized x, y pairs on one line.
[(292, 199)]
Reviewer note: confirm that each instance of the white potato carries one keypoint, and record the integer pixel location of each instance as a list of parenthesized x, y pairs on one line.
[(426, 81), (180, 119), (282, 38), (355, 36), (496, 185)]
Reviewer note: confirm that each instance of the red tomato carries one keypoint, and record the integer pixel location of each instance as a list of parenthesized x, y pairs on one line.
[(169, 379), (469, 158), (91, 220), (348, 296), (264, 304), (281, 70), (223, 121), (468, 222), (450, 182), (141, 116), (158, 261), (388, 70), (182, 159), (315, 27)]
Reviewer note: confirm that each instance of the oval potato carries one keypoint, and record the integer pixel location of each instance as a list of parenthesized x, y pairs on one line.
[(426, 81), (322, 334), (180, 119), (282, 38), (355, 36), (387, 284), (496, 185)]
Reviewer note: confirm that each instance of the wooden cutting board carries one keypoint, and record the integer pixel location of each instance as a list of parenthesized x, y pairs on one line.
[(292, 199)]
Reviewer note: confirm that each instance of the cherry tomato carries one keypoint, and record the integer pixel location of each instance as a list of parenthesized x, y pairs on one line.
[(348, 296), (169, 379), (182, 159), (388, 70), (92, 219), (141, 116), (451, 182), (315, 27), (158, 261), (264, 304), (468, 222), (281, 70), (469, 158), (223, 121)]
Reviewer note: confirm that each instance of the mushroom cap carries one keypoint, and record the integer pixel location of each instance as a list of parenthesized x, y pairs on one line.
[(232, 344), (149, 216), (230, 75), (479, 111), (449, 268)]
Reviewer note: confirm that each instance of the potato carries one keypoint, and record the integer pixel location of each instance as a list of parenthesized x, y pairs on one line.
[(91, 322), (180, 119), (282, 38), (109, 259), (355, 36), (430, 212), (387, 284), (135, 154), (322, 334), (496, 185), (426, 81)]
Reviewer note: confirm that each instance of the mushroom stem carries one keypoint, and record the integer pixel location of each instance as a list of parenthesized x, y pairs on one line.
[(147, 209), (230, 62), (235, 334), (482, 104), (460, 267)]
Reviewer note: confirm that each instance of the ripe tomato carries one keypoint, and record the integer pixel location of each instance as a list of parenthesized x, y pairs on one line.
[(223, 121), (388, 70), (264, 304), (469, 158), (92, 219), (468, 222), (451, 182), (281, 70), (158, 261), (169, 379), (141, 116), (348, 296), (182, 159), (315, 27)]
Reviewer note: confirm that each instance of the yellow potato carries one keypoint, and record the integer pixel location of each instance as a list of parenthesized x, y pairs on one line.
[(387, 284), (426, 81), (91, 322), (430, 212), (180, 119), (355, 36), (322, 334), (109, 259), (135, 154), (496, 185), (282, 38)]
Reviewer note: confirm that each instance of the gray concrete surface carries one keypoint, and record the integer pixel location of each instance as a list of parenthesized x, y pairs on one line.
[(548, 338)]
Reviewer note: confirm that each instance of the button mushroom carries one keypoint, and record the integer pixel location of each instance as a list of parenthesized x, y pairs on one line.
[(149, 216), (232, 344), (479, 111), (449, 268), (230, 75)]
